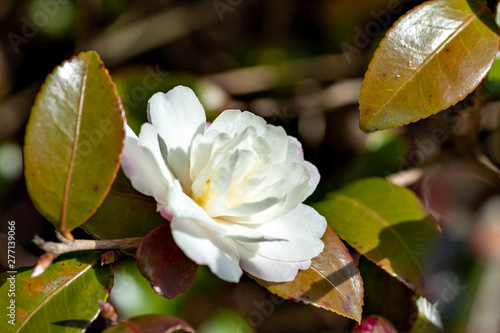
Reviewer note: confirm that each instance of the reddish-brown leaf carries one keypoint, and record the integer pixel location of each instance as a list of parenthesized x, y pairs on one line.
[(164, 264), (154, 323), (332, 282)]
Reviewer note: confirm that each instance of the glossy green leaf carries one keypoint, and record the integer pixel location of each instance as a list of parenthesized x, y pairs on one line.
[(124, 213), (73, 141), (386, 223), (432, 58), (332, 282), (63, 299), (149, 324), (169, 271)]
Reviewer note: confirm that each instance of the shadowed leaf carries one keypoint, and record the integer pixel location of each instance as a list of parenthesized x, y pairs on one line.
[(164, 264), (332, 282), (63, 299), (149, 324), (124, 213), (383, 292), (432, 58), (386, 223), (73, 141)]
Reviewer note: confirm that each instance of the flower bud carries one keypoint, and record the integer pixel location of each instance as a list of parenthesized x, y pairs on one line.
[(374, 324)]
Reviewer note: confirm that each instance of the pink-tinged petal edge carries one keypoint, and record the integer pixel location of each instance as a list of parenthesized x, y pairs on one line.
[(296, 153), (166, 213)]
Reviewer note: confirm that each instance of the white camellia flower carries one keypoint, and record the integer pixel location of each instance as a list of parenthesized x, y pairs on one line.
[(232, 191)]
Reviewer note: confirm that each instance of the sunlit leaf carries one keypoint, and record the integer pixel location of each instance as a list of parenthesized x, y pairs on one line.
[(124, 213), (428, 319), (386, 223), (432, 58), (63, 299), (73, 141), (149, 324), (493, 78), (332, 282), (164, 264)]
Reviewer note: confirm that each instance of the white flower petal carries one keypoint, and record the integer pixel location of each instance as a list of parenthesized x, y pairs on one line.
[(296, 154), (268, 269), (205, 247), (143, 164), (213, 150), (233, 190), (315, 177), (183, 207), (242, 233), (287, 182), (179, 116), (165, 212), (247, 209), (302, 229), (148, 139), (234, 122), (218, 192)]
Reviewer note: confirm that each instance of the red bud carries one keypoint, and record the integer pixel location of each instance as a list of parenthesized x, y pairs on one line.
[(374, 324)]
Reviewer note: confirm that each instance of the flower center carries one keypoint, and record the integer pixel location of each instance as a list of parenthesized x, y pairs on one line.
[(221, 189), (205, 195)]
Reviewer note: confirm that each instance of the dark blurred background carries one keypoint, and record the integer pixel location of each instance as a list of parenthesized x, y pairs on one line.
[(297, 63)]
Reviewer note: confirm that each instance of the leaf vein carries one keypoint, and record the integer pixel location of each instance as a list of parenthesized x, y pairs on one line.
[(433, 54), (74, 148), (384, 222), (55, 293)]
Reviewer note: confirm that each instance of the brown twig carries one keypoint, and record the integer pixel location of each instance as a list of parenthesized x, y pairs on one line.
[(53, 249), (84, 244)]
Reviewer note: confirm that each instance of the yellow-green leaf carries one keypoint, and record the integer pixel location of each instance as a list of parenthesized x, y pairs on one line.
[(63, 299), (73, 141), (387, 224), (431, 58)]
